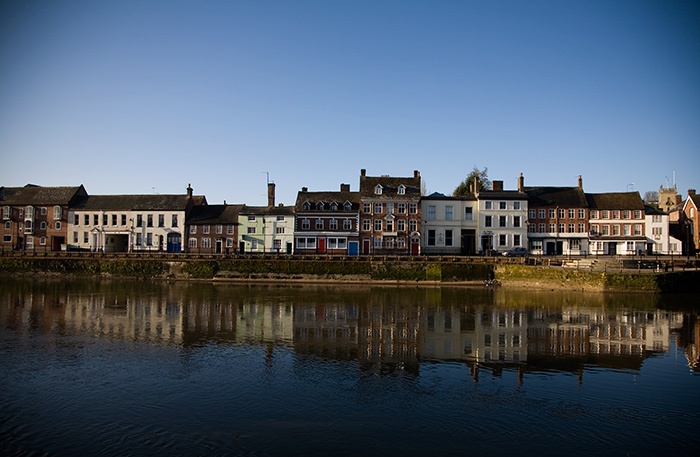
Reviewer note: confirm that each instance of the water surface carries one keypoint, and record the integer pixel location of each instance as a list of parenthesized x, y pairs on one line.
[(138, 368)]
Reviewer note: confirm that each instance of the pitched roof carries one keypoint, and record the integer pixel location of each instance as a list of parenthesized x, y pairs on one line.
[(501, 195), (439, 196), (40, 195), (214, 214), (571, 197), (615, 200), (134, 203), (390, 186), (339, 197), (279, 210)]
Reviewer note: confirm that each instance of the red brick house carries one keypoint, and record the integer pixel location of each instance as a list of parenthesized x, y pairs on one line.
[(689, 223), (35, 218), (213, 229), (390, 214)]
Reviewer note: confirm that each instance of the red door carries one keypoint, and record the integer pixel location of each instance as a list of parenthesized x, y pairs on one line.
[(321, 245), (415, 248), (365, 246)]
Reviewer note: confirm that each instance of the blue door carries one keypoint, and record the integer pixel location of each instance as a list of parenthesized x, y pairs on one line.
[(174, 242), (353, 248)]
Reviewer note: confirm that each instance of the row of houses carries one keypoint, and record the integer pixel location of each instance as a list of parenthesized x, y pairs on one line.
[(388, 215)]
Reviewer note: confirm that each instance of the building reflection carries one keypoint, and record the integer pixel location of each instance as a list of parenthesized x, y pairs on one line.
[(383, 338)]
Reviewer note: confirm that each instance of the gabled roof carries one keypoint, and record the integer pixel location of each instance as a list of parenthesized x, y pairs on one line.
[(214, 214), (328, 197), (694, 199), (501, 195), (570, 197), (615, 200), (40, 195), (439, 196), (390, 186), (267, 210), (134, 203)]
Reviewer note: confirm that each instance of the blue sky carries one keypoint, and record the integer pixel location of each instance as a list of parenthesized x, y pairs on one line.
[(148, 96)]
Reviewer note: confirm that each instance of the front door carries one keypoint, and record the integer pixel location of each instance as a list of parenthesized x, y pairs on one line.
[(612, 248), (219, 246), (365, 246), (321, 245)]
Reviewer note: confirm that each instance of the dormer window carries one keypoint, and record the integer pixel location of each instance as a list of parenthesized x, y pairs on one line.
[(6, 212), (402, 189), (320, 206), (306, 206), (378, 189), (347, 206), (334, 206)]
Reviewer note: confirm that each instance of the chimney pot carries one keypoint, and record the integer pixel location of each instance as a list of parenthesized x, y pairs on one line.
[(416, 174), (498, 186), (304, 189), (580, 182), (691, 192), (521, 183), (345, 187), (363, 172), (270, 194)]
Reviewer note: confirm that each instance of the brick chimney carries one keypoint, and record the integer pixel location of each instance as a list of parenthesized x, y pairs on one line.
[(270, 194), (345, 187), (304, 189), (521, 183), (691, 192), (363, 173), (189, 190), (497, 186), (580, 182), (416, 174)]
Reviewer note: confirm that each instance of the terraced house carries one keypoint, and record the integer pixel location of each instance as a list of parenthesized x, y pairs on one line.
[(390, 214), (35, 218), (617, 223), (449, 224), (327, 222), (266, 229), (502, 218), (213, 229), (130, 223), (557, 221)]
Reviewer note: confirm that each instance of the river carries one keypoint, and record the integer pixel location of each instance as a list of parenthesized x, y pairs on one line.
[(138, 368)]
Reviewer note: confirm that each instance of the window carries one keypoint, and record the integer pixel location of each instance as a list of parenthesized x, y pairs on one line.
[(604, 214), (7, 238), (334, 206), (95, 219), (251, 230), (552, 213), (320, 206), (542, 214), (277, 245), (6, 212), (501, 221), (594, 229), (616, 230), (192, 243), (229, 242), (581, 228), (30, 212), (161, 220), (638, 213), (516, 240), (347, 206), (572, 213), (377, 208), (431, 237), (279, 230), (333, 224), (366, 208), (114, 219), (378, 243), (280, 218), (552, 228), (319, 224), (605, 230), (104, 219), (149, 220), (468, 213), (149, 239), (8, 225), (251, 218), (193, 229), (218, 229), (389, 225), (378, 225), (626, 214), (206, 243), (389, 208), (487, 221), (401, 208), (401, 225), (575, 244), (502, 205), (413, 208), (431, 212), (637, 229), (57, 225), (449, 213), (306, 206), (561, 212), (616, 214), (123, 219), (448, 238), (594, 214), (402, 189), (57, 212), (571, 228), (531, 228), (561, 228), (139, 239), (378, 189), (531, 213), (139, 220), (516, 205), (305, 224), (626, 230), (85, 237), (229, 229), (487, 205), (502, 240), (75, 237), (412, 226), (581, 213), (366, 225), (205, 229), (347, 224), (516, 221)]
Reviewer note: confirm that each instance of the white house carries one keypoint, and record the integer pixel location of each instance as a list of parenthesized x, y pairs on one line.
[(659, 239), (449, 224), (502, 219)]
